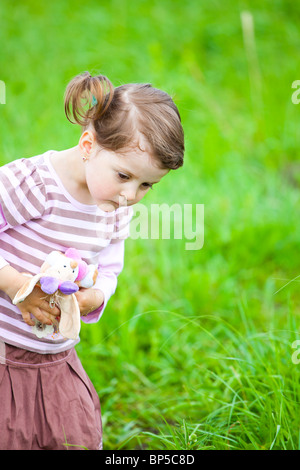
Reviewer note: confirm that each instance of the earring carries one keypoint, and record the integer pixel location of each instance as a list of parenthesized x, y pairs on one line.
[(84, 158)]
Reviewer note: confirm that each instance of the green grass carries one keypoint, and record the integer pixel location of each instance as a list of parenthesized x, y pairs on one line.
[(194, 350)]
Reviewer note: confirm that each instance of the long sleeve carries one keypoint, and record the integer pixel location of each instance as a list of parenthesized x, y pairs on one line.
[(22, 196), (3, 225), (111, 262)]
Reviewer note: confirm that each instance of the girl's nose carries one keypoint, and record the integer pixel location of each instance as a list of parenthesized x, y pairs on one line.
[(122, 200), (129, 194)]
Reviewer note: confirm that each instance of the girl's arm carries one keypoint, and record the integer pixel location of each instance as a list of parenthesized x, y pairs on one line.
[(36, 304), (89, 300), (11, 280), (110, 265)]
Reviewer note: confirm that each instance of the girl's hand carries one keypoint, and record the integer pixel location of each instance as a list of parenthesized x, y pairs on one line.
[(89, 300), (37, 304)]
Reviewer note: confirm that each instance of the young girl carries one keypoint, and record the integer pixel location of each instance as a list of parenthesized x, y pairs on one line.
[(81, 198)]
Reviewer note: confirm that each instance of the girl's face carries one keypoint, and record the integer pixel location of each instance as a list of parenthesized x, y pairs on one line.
[(115, 180)]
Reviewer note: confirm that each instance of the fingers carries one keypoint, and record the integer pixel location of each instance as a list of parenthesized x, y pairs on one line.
[(43, 316), (40, 315), (27, 318), (42, 311), (49, 308)]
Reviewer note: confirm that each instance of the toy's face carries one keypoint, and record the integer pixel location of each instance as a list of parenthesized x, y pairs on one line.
[(62, 268)]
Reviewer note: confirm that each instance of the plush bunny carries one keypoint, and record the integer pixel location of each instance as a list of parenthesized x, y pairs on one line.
[(61, 275)]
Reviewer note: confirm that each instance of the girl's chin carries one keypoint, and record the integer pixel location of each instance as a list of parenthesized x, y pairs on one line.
[(108, 206)]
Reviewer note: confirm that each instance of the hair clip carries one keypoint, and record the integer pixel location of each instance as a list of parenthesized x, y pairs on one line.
[(94, 100)]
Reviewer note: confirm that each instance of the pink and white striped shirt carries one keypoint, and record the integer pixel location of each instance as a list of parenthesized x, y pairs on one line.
[(37, 216)]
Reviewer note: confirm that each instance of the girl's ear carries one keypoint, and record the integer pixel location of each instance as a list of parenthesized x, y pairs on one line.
[(86, 142)]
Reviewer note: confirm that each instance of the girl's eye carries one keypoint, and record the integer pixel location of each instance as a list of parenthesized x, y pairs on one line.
[(122, 176), (147, 185)]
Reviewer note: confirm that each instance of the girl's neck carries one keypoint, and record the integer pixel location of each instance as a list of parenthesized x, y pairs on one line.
[(69, 166)]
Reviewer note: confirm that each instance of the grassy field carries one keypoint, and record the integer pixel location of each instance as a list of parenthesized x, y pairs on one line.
[(196, 349)]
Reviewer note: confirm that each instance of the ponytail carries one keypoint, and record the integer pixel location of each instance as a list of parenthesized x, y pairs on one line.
[(87, 98)]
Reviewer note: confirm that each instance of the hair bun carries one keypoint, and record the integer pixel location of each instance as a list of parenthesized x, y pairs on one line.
[(87, 98)]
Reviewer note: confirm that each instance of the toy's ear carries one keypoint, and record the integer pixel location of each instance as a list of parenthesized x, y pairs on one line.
[(69, 325), (51, 259), (26, 289)]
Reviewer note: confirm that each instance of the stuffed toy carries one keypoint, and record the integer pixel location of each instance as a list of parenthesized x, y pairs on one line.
[(61, 275)]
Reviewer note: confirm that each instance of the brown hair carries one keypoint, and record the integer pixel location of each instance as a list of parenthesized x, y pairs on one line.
[(120, 114)]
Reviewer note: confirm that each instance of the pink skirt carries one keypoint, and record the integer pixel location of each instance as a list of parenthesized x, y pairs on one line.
[(47, 402)]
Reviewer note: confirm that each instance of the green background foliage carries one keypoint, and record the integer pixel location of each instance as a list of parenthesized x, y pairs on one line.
[(194, 350)]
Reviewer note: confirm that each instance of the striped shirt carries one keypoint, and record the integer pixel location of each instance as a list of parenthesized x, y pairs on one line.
[(37, 216)]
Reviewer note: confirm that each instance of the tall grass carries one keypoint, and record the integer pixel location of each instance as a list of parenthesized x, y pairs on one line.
[(194, 350)]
